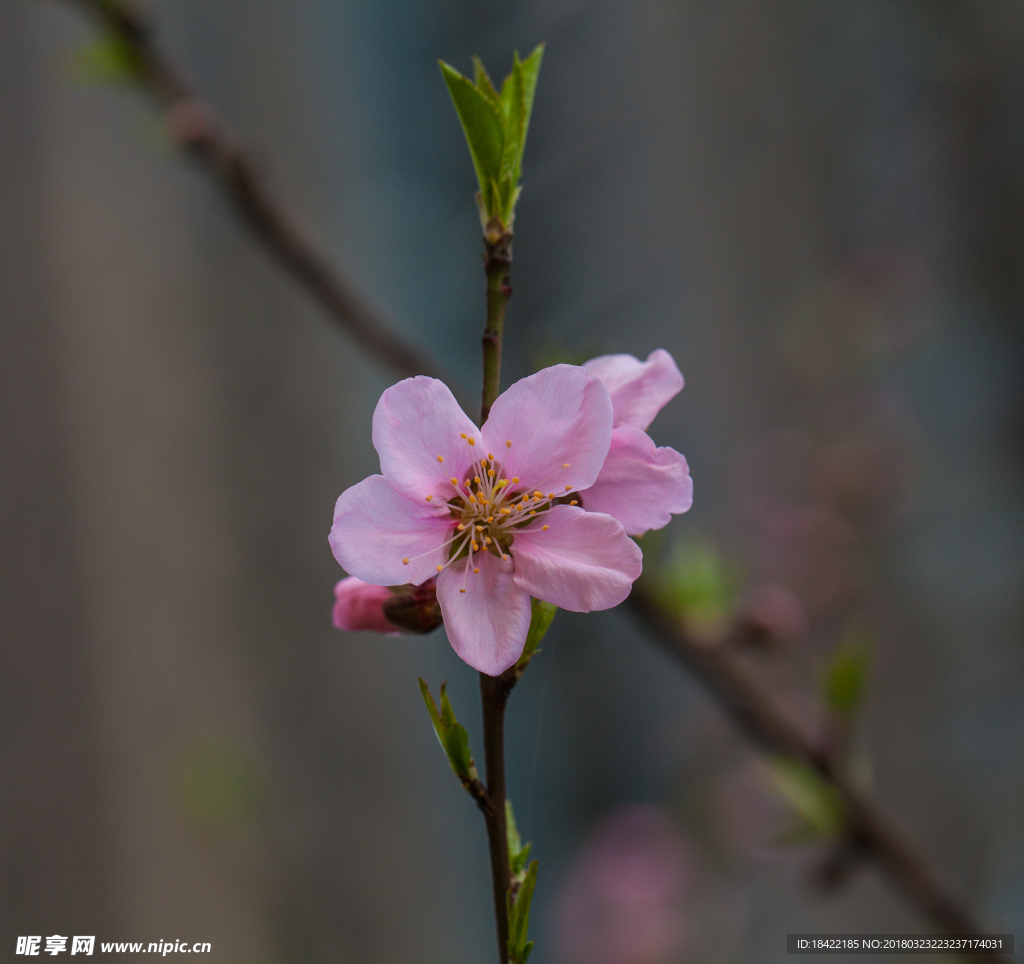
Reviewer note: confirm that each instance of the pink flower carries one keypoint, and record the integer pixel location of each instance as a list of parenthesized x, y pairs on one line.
[(493, 513), (640, 485), (358, 605)]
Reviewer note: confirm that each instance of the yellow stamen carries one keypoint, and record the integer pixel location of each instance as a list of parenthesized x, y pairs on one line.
[(551, 495), (566, 465), (453, 480), (475, 570), (472, 499), (439, 568), (430, 498), (476, 479), (460, 527), (536, 494), (479, 528), (405, 562), (568, 488), (462, 435), (574, 502), (515, 479), (543, 528), (491, 473), (533, 512), (503, 556), (489, 455), (471, 441), (490, 518), (462, 590), (508, 445), (476, 548), (440, 458)]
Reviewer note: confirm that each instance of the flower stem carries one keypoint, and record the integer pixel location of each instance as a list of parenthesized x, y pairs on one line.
[(497, 265), (494, 692)]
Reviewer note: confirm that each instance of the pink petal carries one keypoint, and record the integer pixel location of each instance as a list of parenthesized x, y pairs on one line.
[(581, 561), (487, 624), (416, 421), (358, 605), (375, 528), (559, 416), (640, 485), (639, 390)]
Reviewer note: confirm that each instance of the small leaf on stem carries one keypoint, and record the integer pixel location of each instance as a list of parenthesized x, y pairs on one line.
[(845, 680), (813, 800), (451, 734), (519, 919)]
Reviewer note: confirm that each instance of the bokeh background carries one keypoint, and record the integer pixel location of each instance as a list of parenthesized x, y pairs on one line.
[(818, 208)]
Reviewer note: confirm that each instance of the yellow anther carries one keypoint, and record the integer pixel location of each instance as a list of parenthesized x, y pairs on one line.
[(453, 480), (430, 498), (476, 548), (479, 528), (460, 527), (405, 562), (574, 502), (502, 483), (543, 527), (489, 455), (440, 458), (487, 540), (515, 479), (462, 590), (439, 568), (566, 465), (471, 441), (503, 556), (551, 495), (462, 435), (475, 570), (472, 499), (490, 518), (491, 473), (533, 511), (476, 479), (536, 494), (505, 510), (568, 488), (508, 444)]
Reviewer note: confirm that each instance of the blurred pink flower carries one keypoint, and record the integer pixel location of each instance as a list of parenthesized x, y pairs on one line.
[(484, 510), (358, 605), (639, 484), (622, 901)]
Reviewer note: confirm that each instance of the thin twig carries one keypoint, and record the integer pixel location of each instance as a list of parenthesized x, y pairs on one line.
[(197, 128), (754, 712)]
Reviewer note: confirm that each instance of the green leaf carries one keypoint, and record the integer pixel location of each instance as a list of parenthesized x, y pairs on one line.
[(698, 585), (517, 853), (482, 123), (519, 919), (812, 799), (450, 733), (483, 83), (106, 60), (542, 613), (845, 680)]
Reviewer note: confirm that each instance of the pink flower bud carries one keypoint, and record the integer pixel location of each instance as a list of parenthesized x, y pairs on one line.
[(358, 605)]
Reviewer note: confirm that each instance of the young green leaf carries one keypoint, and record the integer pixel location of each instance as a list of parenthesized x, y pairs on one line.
[(542, 613), (483, 83), (517, 853), (482, 123), (450, 733), (816, 803), (106, 60), (845, 678), (519, 919)]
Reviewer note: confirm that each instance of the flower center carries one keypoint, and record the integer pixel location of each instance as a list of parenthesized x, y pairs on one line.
[(488, 507)]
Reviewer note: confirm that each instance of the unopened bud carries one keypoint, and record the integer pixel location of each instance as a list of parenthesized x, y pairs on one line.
[(358, 605), (414, 608)]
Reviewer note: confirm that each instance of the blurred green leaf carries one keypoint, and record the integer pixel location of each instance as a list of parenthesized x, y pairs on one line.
[(697, 584), (845, 680), (219, 785), (813, 800), (517, 853), (450, 733), (519, 919), (106, 60)]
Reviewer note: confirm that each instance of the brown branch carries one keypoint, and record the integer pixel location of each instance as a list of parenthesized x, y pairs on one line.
[(196, 127), (756, 715)]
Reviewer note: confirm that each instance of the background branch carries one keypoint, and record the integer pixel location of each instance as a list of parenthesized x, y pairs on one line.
[(196, 127), (753, 711)]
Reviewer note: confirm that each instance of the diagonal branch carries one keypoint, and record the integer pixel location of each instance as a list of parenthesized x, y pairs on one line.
[(197, 128), (754, 713)]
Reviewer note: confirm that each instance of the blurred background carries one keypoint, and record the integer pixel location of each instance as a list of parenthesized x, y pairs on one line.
[(817, 208)]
